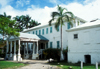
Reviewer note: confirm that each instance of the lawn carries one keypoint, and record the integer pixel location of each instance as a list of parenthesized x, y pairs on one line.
[(10, 65), (65, 65)]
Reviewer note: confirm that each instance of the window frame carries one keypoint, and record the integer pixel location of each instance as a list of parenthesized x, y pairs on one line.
[(75, 36)]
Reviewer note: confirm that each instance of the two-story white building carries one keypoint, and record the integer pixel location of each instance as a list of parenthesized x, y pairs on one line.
[(84, 43), (34, 40)]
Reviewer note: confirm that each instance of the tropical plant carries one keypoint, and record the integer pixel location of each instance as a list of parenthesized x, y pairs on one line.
[(25, 22), (60, 18), (7, 26)]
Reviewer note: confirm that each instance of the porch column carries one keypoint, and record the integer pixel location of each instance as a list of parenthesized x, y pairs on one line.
[(33, 47), (27, 47), (14, 58), (11, 49), (24, 49), (7, 50), (19, 55), (37, 47)]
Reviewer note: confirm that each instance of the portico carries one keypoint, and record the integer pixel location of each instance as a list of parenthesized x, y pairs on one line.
[(23, 40)]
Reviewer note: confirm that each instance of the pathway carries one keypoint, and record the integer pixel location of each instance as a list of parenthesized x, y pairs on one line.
[(37, 64)]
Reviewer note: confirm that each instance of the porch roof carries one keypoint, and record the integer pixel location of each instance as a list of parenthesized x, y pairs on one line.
[(29, 36)]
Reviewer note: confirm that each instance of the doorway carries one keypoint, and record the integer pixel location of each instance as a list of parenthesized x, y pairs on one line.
[(88, 59)]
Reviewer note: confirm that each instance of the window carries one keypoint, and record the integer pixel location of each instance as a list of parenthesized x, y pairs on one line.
[(33, 32), (75, 36), (47, 45), (58, 28), (68, 25), (46, 30), (57, 44), (36, 32), (39, 32), (50, 29), (42, 31), (50, 44)]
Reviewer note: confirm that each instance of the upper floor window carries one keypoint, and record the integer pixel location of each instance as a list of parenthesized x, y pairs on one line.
[(42, 31), (39, 32), (46, 30), (58, 28), (50, 44), (36, 32), (50, 29), (57, 44), (75, 36), (33, 32), (68, 25)]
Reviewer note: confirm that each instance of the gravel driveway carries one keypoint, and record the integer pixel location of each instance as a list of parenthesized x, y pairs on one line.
[(37, 64)]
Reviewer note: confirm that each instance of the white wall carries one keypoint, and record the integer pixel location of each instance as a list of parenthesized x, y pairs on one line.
[(88, 43), (54, 36)]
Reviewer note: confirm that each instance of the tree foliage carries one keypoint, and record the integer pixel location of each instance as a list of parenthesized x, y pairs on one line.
[(7, 26), (25, 22)]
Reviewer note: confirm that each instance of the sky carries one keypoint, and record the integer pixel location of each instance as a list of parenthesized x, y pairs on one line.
[(40, 10)]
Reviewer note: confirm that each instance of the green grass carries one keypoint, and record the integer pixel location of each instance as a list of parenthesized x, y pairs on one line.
[(65, 65), (10, 65)]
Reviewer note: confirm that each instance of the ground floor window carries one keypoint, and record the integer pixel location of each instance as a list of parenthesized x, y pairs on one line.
[(50, 44), (57, 44), (47, 45)]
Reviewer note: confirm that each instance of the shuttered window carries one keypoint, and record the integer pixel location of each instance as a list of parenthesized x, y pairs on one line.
[(39, 32), (57, 44), (68, 25), (46, 30), (42, 31), (50, 44), (50, 29)]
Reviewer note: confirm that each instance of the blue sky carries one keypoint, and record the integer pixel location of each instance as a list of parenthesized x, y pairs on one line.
[(40, 10)]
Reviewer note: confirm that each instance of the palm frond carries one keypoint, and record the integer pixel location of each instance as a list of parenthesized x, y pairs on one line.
[(55, 14), (57, 23), (51, 21)]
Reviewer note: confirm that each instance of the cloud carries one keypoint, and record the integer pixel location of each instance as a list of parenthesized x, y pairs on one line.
[(22, 3), (87, 11)]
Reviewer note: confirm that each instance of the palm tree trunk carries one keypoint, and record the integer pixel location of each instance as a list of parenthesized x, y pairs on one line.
[(61, 55)]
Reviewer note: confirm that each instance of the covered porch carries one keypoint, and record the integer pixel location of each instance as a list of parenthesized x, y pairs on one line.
[(19, 47)]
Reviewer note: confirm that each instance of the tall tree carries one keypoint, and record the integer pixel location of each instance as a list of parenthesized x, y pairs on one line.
[(25, 22), (60, 18), (7, 26)]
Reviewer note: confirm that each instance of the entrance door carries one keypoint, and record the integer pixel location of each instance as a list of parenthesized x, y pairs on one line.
[(87, 58), (42, 46)]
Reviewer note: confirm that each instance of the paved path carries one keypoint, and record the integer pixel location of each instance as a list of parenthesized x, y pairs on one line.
[(37, 64)]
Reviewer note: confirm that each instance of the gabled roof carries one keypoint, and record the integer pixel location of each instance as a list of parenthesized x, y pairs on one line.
[(86, 25)]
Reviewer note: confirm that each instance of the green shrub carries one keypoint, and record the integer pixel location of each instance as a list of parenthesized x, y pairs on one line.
[(52, 53)]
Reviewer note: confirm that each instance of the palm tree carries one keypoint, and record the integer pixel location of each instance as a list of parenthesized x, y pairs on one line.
[(60, 17)]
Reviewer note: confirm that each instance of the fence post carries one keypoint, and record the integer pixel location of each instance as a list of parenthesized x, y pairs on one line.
[(81, 65), (96, 65)]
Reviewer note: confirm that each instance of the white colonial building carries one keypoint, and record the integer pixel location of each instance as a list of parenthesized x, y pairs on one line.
[(35, 39), (84, 43)]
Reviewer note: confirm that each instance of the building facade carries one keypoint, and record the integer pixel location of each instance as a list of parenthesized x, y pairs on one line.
[(52, 34), (84, 43)]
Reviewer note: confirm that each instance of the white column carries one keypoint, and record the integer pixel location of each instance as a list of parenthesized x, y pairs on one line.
[(7, 50), (11, 49), (37, 47), (24, 48), (81, 65), (14, 58), (33, 47), (19, 55), (27, 47)]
